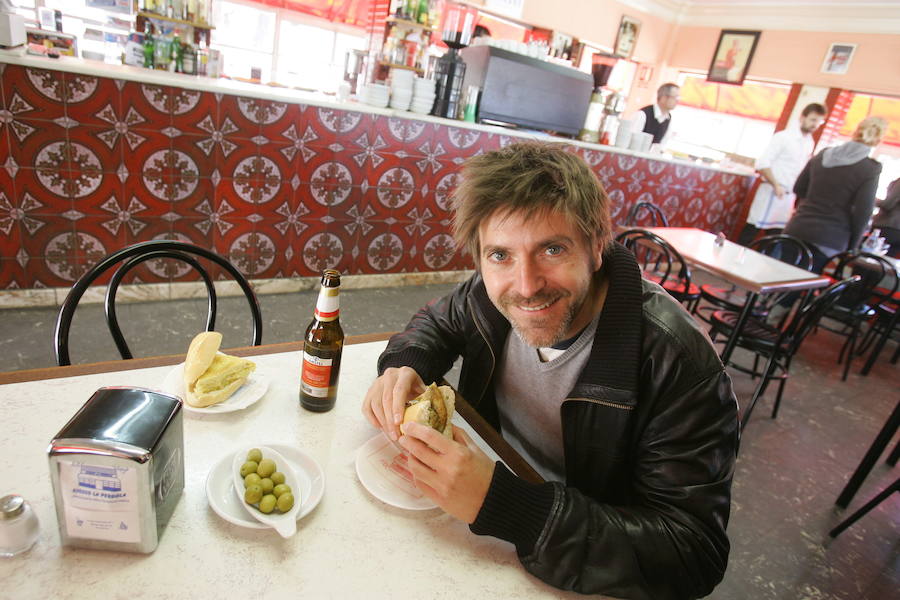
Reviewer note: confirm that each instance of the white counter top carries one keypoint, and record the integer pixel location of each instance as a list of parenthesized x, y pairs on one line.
[(279, 94), (351, 546)]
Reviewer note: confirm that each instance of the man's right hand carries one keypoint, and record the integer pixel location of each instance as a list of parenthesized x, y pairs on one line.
[(779, 191), (386, 399)]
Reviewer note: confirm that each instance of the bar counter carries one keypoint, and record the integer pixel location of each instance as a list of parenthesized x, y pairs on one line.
[(282, 182)]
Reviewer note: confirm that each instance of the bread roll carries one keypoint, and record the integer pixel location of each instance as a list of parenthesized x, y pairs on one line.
[(211, 377), (434, 407)]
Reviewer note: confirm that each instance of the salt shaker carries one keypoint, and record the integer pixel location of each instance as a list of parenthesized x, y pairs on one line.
[(19, 527)]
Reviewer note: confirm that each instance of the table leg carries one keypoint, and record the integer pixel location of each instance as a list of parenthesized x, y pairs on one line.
[(739, 326), (865, 465)]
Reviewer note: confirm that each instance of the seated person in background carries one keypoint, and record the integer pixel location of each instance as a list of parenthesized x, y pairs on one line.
[(597, 377), (888, 218), (779, 166), (656, 118), (481, 31)]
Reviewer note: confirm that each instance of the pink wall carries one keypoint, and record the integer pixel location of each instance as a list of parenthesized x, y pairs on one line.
[(797, 56)]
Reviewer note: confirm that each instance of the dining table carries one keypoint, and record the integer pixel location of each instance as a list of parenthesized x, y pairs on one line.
[(353, 544), (747, 269)]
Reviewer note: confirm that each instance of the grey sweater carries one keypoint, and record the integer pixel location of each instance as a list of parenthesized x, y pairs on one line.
[(834, 204)]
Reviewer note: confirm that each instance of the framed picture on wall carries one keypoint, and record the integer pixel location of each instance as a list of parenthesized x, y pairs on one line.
[(732, 56), (626, 39), (837, 59)]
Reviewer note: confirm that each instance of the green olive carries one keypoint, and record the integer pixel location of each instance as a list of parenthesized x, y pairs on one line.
[(285, 502), (280, 489), (255, 455), (277, 477), (249, 467), (267, 485), (266, 467), (252, 479), (253, 494), (267, 504)]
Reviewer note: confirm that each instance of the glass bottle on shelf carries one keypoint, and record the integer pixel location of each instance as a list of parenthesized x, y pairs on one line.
[(178, 54), (149, 46), (422, 12)]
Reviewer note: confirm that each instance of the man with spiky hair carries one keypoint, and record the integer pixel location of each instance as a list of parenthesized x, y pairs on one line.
[(598, 378)]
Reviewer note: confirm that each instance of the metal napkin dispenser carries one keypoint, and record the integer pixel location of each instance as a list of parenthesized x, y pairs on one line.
[(117, 469)]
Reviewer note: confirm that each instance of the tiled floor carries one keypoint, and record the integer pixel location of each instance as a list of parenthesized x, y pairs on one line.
[(788, 476)]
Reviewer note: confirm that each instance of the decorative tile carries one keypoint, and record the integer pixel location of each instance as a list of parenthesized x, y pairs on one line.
[(280, 121), (89, 99), (151, 104), (37, 94), (237, 116)]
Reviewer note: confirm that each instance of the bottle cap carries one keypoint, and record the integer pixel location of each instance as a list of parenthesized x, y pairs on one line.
[(11, 506)]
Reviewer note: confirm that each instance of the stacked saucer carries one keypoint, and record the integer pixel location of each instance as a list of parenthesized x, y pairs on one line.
[(423, 96), (374, 94), (402, 88)]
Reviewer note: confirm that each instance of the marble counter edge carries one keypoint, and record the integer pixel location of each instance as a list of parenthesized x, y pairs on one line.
[(79, 66)]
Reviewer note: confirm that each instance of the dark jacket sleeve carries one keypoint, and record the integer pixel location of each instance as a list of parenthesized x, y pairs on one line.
[(801, 186), (892, 198), (668, 540), (862, 207), (434, 337)]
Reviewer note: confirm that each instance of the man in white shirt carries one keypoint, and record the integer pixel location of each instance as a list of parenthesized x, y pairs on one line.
[(656, 118), (780, 164)]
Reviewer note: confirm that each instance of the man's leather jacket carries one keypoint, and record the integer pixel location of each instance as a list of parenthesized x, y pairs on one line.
[(650, 434)]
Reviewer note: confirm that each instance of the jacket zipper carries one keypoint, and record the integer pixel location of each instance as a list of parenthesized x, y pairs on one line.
[(602, 402)]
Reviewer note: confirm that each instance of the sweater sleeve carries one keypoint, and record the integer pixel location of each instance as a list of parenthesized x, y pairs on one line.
[(862, 207)]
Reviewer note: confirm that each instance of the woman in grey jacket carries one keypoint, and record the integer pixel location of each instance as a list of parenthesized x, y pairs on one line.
[(836, 194)]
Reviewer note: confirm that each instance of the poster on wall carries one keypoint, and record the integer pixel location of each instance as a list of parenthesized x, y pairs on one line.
[(626, 38), (837, 59), (732, 56)]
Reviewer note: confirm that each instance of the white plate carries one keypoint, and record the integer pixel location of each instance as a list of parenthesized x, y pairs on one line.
[(225, 502), (284, 523), (380, 468), (248, 394)]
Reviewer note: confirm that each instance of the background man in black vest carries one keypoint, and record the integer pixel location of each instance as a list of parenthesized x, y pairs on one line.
[(656, 118)]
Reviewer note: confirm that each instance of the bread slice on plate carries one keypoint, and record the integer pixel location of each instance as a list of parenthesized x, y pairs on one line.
[(211, 377)]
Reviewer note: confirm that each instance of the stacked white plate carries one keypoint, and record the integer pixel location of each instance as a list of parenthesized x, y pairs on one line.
[(402, 88), (423, 96), (375, 94)]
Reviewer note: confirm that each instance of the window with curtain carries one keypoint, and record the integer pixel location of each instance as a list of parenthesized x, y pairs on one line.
[(716, 120), (290, 46)]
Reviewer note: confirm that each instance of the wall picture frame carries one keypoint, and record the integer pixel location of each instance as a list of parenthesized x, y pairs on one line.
[(626, 38), (837, 59), (732, 57)]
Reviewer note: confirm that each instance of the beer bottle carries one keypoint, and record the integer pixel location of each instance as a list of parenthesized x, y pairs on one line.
[(322, 346)]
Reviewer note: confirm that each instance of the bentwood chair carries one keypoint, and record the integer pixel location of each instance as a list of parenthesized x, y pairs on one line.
[(131, 257), (785, 248), (879, 282), (662, 264), (655, 215), (777, 346)]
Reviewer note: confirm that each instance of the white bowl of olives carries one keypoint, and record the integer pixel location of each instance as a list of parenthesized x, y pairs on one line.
[(267, 487)]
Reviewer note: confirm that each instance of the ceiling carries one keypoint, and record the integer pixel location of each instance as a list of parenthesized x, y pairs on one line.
[(852, 16)]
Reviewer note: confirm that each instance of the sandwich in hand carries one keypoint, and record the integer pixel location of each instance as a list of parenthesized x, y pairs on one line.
[(211, 377), (433, 407)]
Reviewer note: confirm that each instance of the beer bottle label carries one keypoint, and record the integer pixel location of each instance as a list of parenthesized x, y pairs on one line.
[(328, 304), (315, 375)]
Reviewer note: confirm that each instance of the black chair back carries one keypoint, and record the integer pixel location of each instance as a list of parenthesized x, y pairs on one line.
[(878, 276), (658, 259), (132, 256), (809, 314), (655, 214), (785, 248)]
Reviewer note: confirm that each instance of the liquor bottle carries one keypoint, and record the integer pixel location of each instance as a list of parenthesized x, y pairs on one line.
[(149, 47), (422, 13), (178, 54), (322, 346)]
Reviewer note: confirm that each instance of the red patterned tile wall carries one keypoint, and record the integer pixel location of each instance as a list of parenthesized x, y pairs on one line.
[(92, 164)]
